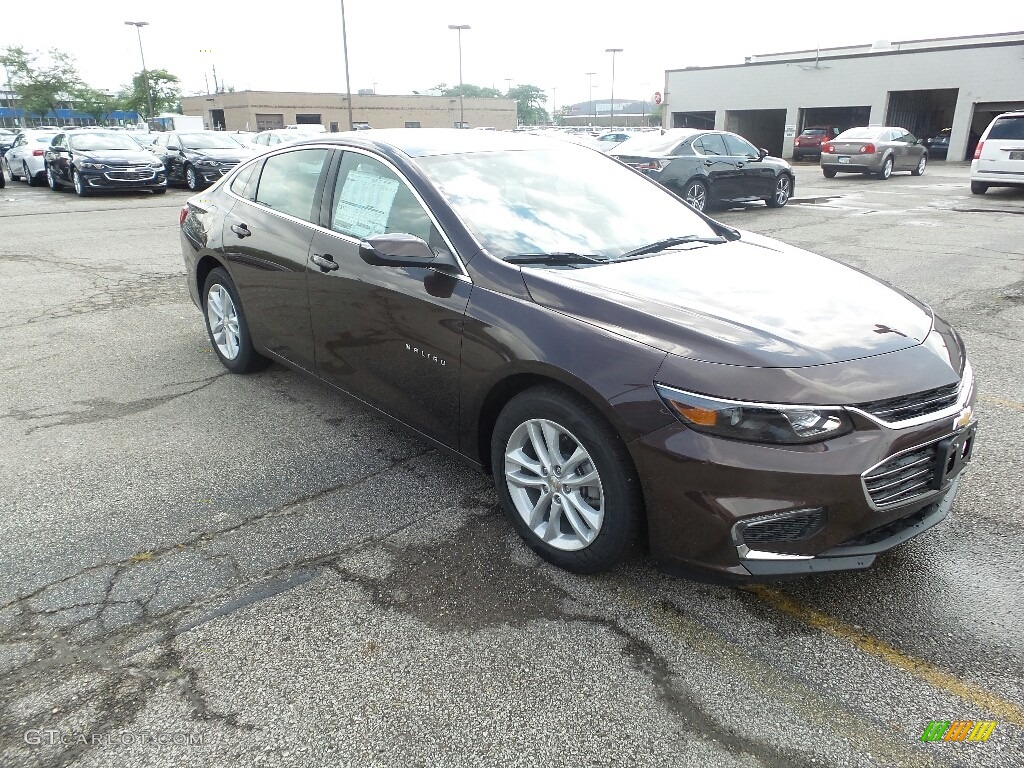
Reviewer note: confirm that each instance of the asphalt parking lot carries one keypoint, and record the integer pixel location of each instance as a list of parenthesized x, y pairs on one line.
[(201, 569)]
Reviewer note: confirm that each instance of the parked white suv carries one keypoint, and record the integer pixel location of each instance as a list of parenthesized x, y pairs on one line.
[(999, 157)]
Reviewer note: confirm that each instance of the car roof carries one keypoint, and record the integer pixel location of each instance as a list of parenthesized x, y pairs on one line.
[(424, 142)]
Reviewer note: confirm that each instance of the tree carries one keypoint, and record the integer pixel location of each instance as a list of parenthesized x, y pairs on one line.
[(162, 84), (467, 91), (41, 82), (94, 103), (529, 101)]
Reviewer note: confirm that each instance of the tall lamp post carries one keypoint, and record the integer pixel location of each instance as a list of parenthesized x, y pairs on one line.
[(348, 82), (590, 84), (462, 110), (611, 107), (145, 73)]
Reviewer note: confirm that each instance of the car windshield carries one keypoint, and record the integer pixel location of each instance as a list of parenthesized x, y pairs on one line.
[(860, 133), (208, 141), (650, 143), (558, 200), (92, 141), (814, 132)]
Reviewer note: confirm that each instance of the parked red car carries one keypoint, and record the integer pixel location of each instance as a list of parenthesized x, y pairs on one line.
[(808, 143)]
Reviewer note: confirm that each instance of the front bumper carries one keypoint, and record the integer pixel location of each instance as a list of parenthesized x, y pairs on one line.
[(124, 178), (744, 511)]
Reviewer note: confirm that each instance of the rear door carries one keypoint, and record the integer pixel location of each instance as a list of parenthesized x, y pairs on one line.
[(1003, 148), (720, 166)]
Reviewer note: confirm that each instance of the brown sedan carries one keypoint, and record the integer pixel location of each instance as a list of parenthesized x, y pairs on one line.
[(877, 151), (626, 367)]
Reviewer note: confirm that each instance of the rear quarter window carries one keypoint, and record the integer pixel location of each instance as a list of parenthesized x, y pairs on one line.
[(1011, 128)]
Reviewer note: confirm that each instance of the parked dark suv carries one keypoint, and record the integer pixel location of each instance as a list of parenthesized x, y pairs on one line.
[(705, 167), (624, 365)]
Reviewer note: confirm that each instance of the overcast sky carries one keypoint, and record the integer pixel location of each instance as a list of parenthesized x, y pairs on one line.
[(399, 46)]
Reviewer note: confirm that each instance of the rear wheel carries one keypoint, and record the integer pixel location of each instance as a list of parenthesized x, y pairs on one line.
[(565, 480), (828, 174), (696, 194), (886, 170), (783, 189), (978, 188), (919, 170), (33, 181), (227, 326)]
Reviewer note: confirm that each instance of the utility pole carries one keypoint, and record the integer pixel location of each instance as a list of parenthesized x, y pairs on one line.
[(611, 107), (590, 84), (145, 73), (348, 82), (462, 110)]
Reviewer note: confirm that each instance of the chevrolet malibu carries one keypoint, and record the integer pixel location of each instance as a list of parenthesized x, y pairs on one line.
[(627, 368)]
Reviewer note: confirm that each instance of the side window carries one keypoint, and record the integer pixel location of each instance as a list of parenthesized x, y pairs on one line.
[(711, 144), (173, 143), (240, 184), (288, 182), (738, 146), (370, 199)]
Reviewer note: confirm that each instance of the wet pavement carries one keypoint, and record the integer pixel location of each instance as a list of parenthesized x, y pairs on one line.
[(201, 569)]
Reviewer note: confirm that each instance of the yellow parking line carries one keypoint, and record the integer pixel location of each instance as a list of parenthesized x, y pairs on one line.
[(1005, 710), (1006, 403)]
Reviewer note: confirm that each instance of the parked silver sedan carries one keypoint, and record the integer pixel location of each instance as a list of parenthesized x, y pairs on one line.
[(874, 150)]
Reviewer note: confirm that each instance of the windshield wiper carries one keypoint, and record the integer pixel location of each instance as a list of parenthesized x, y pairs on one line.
[(556, 258), (668, 242)]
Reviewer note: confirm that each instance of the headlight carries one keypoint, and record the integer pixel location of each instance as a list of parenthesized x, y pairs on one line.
[(93, 166), (209, 163), (757, 422), (156, 164)]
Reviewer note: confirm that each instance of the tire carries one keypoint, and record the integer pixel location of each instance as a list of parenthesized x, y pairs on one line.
[(605, 514), (978, 188), (81, 188), (828, 174), (886, 170), (234, 347), (192, 179), (696, 194), (783, 189), (10, 171), (51, 179), (33, 181), (3, 179), (921, 164)]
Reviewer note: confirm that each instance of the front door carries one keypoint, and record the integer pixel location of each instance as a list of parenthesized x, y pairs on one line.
[(754, 177), (391, 336), (721, 169)]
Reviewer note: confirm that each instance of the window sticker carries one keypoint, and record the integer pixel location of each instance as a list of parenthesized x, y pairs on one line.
[(365, 203)]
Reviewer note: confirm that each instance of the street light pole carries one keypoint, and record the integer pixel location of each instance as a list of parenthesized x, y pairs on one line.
[(462, 110), (348, 81), (554, 104), (590, 84), (145, 73), (611, 107)]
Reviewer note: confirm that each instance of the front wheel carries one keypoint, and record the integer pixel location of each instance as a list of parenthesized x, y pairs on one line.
[(978, 188), (696, 194), (81, 188), (565, 480), (921, 164), (10, 171), (51, 179), (226, 325), (191, 178), (886, 171), (783, 189)]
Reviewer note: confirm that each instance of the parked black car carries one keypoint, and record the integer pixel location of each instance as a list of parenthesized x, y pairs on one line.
[(198, 158), (938, 145), (94, 161), (708, 166), (623, 365)]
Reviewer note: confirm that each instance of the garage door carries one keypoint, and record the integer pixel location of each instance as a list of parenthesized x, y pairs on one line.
[(267, 122)]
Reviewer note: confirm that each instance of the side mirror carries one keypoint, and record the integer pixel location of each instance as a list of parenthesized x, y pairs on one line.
[(762, 153), (397, 249)]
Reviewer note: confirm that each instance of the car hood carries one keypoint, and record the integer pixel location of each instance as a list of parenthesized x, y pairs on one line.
[(751, 302), (116, 156), (227, 154)]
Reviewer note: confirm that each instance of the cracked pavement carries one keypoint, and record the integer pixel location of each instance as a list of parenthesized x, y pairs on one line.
[(201, 569)]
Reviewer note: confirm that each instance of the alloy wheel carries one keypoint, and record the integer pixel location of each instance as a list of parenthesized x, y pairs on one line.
[(191, 180), (554, 485), (51, 179), (696, 195), (223, 318)]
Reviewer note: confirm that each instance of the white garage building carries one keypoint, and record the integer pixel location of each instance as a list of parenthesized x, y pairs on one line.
[(921, 85)]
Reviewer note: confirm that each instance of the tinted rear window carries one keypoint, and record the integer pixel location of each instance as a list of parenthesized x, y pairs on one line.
[(814, 132), (1008, 128)]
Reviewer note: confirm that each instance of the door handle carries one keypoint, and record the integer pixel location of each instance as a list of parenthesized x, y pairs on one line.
[(326, 262), (241, 230), (709, 163)]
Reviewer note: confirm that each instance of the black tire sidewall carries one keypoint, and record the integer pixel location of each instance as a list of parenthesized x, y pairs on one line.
[(622, 500), (247, 359), (191, 187)]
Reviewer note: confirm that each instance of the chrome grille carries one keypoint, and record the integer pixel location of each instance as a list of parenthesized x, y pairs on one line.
[(143, 173), (906, 407), (902, 478)]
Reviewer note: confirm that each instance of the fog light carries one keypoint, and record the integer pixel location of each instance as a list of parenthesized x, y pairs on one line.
[(779, 527)]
